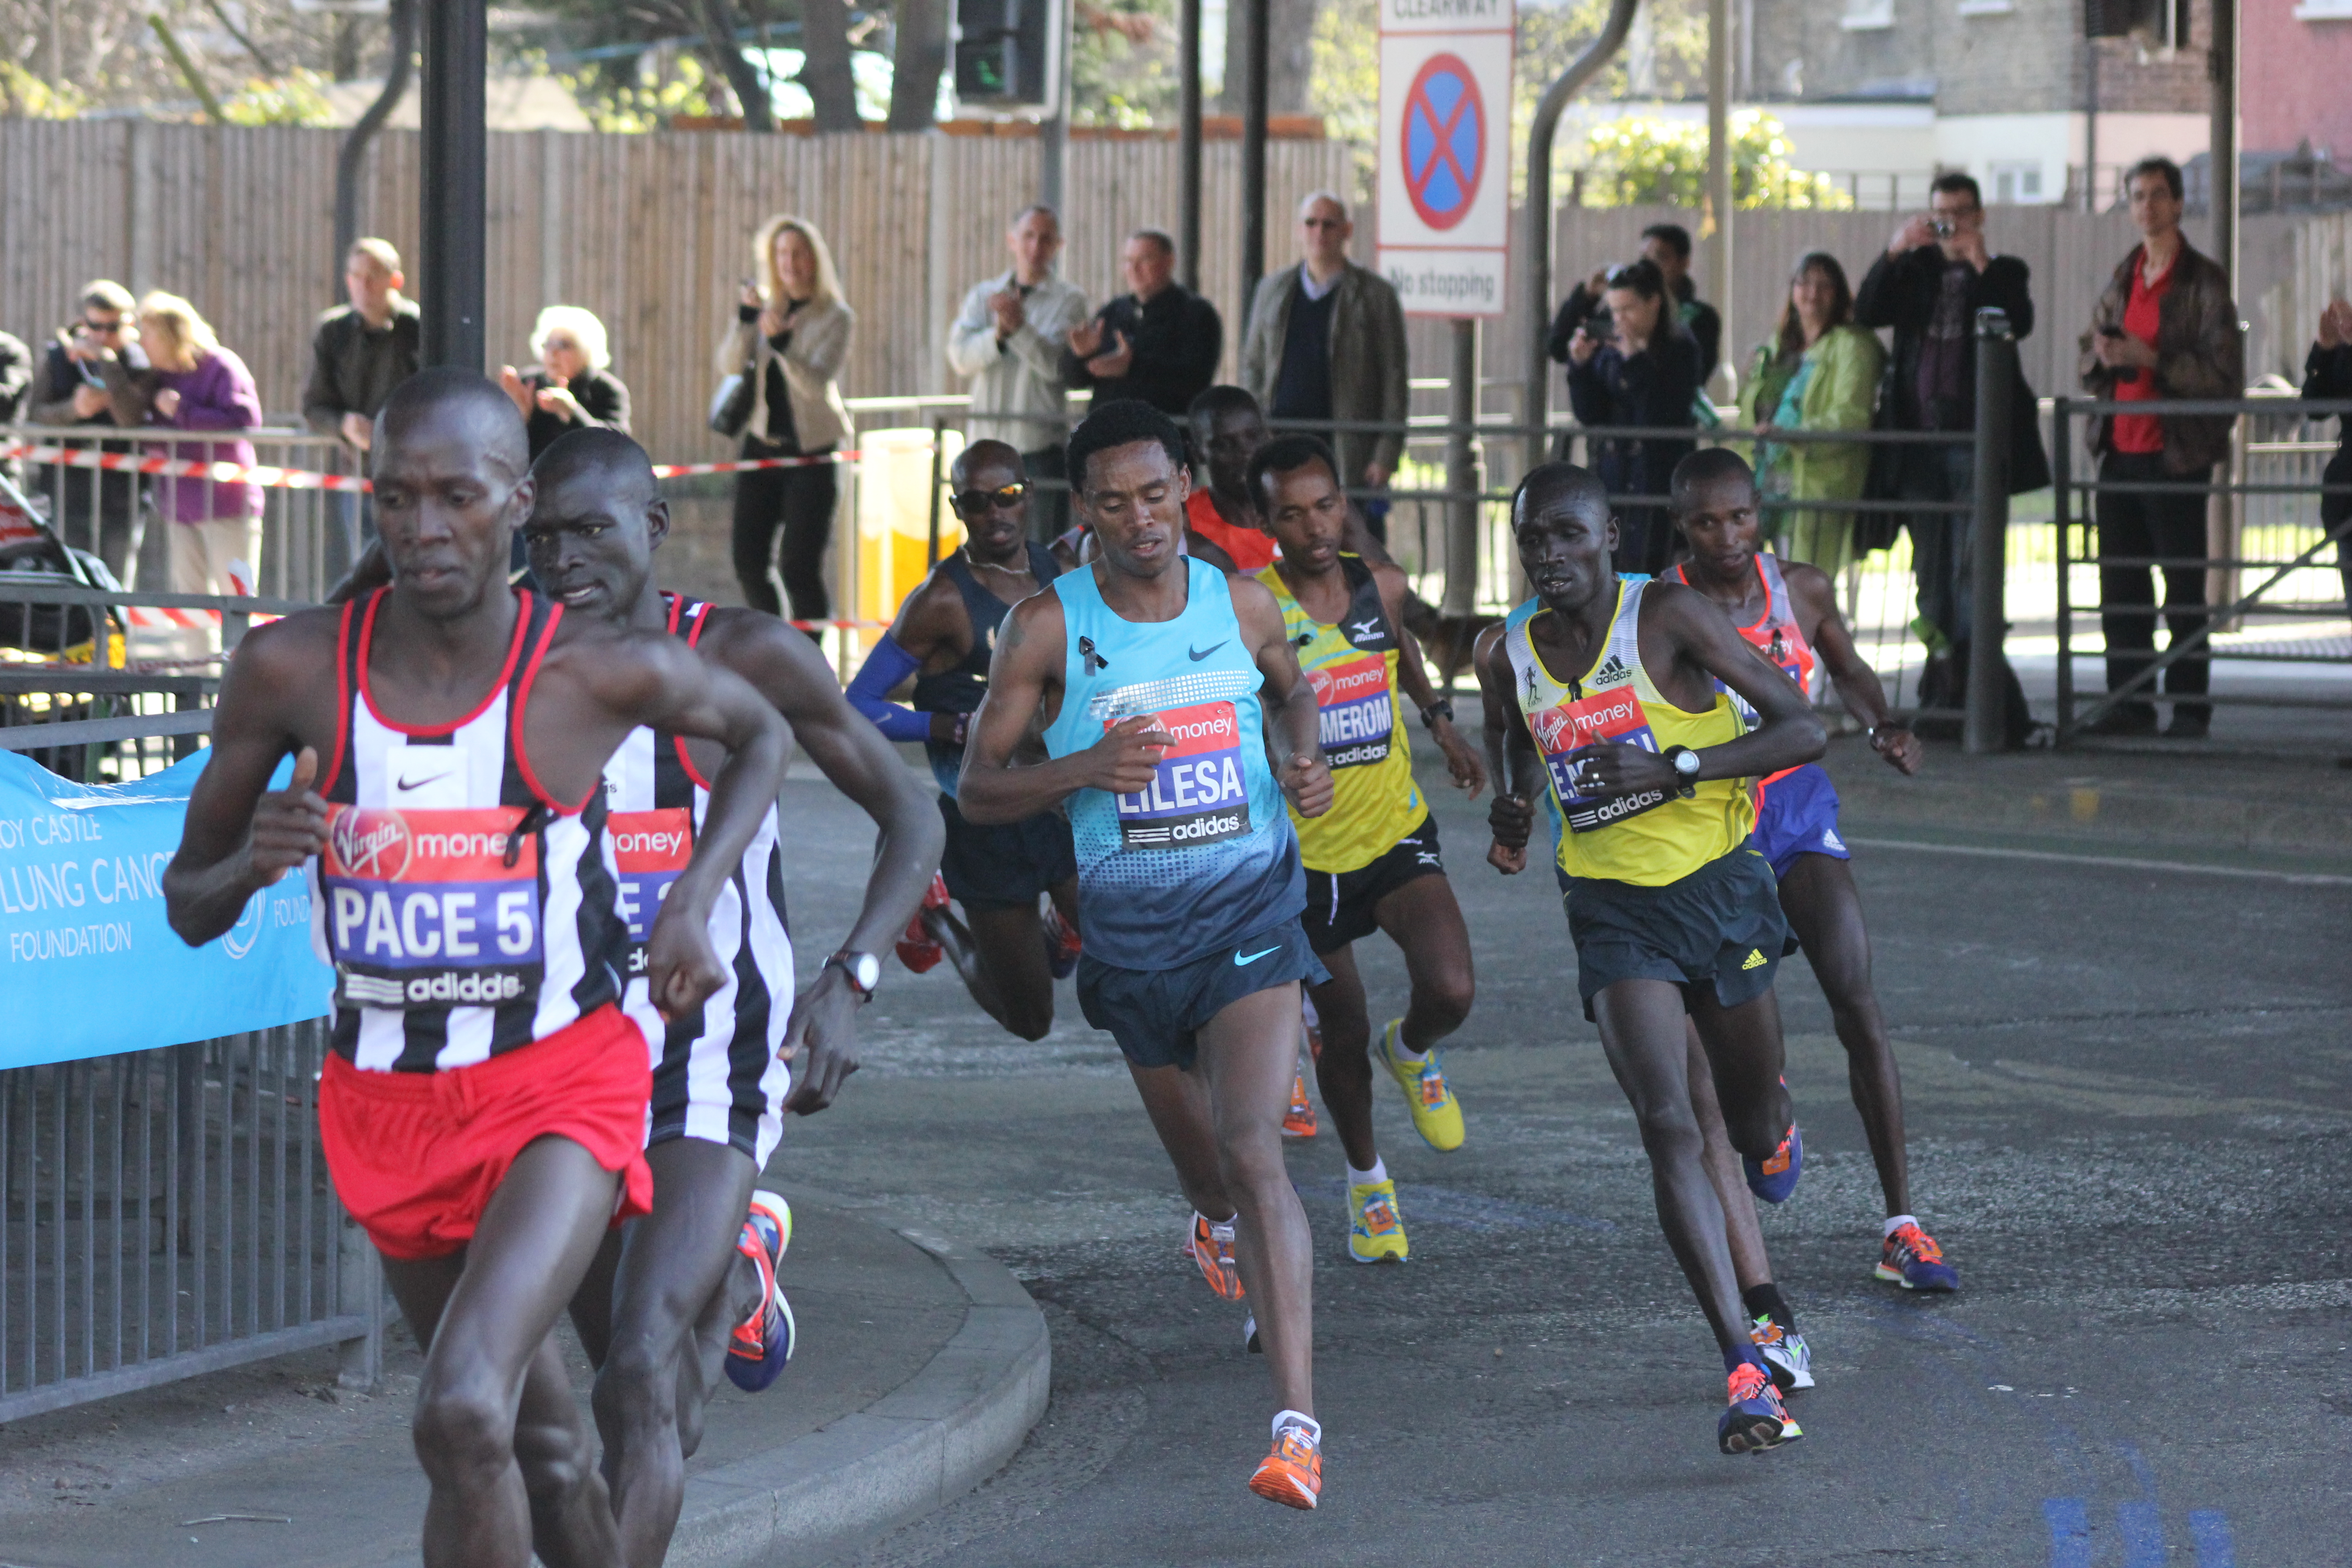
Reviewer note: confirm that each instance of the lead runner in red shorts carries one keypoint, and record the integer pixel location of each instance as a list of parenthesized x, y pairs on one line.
[(484, 1108)]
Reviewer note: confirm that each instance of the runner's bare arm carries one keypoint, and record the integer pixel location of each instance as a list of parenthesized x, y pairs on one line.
[(1287, 697), (648, 678), (1858, 684), (1510, 756), (1024, 676), (1413, 678), (788, 671), (1685, 635), (241, 836)]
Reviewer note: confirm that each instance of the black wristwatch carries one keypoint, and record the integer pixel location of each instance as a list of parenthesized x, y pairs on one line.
[(1685, 763), (862, 970), (1441, 709)]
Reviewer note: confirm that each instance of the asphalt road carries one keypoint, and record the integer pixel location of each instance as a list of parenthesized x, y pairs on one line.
[(2130, 1096)]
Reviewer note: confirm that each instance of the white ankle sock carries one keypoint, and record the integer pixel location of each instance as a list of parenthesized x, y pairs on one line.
[(1405, 1053), (1283, 1418), (1897, 1223), (1216, 1224), (1379, 1172)]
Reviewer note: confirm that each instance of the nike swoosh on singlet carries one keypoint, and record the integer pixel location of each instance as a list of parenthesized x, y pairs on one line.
[(409, 784), (1252, 958), (1197, 655)]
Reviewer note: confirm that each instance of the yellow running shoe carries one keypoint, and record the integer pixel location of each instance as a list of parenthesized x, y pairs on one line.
[(1375, 1233), (1436, 1115)]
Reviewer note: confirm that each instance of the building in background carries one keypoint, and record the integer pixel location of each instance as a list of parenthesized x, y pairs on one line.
[(2297, 70)]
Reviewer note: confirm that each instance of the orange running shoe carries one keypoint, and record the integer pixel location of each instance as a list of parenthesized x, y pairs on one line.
[(1212, 1246), (1298, 1121), (1292, 1475), (917, 949)]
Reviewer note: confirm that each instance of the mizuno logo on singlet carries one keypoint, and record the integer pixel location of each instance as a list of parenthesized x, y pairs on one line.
[(1197, 654), (1360, 631)]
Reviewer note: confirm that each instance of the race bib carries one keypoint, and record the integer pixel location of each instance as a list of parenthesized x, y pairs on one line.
[(1351, 701), (1196, 794), (1599, 718), (431, 908), (649, 849)]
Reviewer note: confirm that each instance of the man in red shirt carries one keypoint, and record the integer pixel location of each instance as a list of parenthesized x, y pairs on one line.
[(2166, 328)]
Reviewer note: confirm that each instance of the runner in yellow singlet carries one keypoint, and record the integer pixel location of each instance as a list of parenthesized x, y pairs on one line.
[(1372, 860), (1616, 696)]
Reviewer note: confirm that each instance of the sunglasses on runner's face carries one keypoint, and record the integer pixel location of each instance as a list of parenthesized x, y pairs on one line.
[(1004, 498)]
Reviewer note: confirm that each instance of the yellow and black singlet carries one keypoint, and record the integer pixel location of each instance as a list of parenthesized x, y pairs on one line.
[(1654, 837), (1353, 668)]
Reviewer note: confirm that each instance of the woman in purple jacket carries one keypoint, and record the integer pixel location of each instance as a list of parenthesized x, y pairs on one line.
[(196, 384)]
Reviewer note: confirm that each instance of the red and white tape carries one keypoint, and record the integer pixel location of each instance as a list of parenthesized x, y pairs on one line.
[(269, 477)]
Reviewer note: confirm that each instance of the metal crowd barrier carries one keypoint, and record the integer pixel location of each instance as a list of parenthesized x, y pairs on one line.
[(167, 1213)]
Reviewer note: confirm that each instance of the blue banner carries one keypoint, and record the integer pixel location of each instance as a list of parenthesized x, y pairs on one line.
[(91, 967)]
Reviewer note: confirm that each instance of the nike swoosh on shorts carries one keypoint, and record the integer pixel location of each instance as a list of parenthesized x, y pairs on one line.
[(1252, 958)]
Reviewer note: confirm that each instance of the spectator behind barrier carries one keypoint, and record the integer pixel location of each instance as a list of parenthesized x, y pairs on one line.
[(1326, 342), (1158, 342), (1009, 337), (15, 386), (363, 349), (1669, 245), (1638, 367), (791, 336), (573, 387), (196, 383), (1819, 371), (2165, 326), (1936, 275), (92, 509), (2327, 375)]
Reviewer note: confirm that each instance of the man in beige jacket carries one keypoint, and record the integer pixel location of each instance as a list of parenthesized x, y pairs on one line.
[(1324, 343)]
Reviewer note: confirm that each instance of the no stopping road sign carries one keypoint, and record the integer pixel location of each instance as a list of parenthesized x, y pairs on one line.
[(1444, 153)]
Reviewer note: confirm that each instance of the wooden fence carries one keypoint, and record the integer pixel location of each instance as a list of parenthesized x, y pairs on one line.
[(649, 232)]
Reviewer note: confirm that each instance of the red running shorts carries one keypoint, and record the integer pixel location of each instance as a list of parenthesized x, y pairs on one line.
[(416, 1156)]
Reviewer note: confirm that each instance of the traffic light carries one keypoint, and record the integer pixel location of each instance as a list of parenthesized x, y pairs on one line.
[(2160, 24), (1004, 53)]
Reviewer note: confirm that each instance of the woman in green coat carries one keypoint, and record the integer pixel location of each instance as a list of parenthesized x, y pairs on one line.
[(1819, 371)]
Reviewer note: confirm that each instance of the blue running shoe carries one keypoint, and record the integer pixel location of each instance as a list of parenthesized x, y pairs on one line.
[(1775, 1178), (762, 1342), (1757, 1419), (1787, 1357), (1912, 1259)]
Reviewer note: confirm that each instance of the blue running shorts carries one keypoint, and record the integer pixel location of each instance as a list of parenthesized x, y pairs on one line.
[(1797, 816)]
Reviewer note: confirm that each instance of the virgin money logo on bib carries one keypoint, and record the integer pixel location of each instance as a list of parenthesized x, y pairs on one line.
[(373, 844), (1351, 701), (649, 849), (1196, 794)]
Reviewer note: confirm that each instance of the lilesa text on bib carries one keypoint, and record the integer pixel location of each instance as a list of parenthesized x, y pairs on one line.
[(1196, 794), (1351, 701), (649, 849), (1614, 717), (431, 908)]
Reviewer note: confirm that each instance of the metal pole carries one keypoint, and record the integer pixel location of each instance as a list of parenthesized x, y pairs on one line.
[(2062, 482), (1719, 163), (1054, 130), (1462, 476), (2091, 125), (454, 217), (1188, 215), (938, 439), (1989, 534), (2221, 61), (353, 153), (1254, 113), (1535, 408)]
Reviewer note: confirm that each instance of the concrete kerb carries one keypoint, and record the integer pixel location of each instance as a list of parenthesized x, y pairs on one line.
[(927, 1442)]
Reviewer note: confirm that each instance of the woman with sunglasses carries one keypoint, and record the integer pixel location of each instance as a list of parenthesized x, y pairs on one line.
[(574, 387), (944, 637)]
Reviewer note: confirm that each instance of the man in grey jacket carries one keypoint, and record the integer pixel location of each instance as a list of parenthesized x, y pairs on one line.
[(1326, 342), (1009, 338)]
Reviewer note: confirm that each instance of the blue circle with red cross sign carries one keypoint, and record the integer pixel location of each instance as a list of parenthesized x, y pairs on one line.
[(1444, 141)]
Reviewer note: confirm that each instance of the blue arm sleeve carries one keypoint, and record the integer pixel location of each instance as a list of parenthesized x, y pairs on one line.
[(884, 669)]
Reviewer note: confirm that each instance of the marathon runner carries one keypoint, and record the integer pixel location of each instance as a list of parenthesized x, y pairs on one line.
[(943, 637), (483, 1109), (1226, 429), (1609, 686), (691, 1288), (1372, 860), (1788, 612), (1162, 683)]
